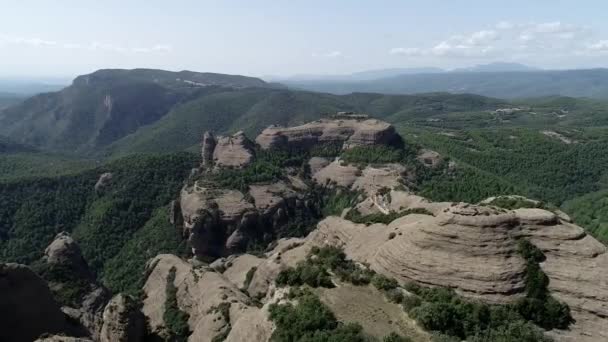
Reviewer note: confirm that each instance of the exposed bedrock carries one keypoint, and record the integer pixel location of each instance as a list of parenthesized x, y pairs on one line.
[(218, 222), (216, 306), (347, 132), (64, 255)]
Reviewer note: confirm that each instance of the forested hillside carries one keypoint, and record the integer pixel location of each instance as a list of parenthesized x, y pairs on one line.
[(103, 220)]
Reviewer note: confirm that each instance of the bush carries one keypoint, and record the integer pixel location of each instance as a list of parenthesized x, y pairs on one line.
[(310, 321), (384, 283)]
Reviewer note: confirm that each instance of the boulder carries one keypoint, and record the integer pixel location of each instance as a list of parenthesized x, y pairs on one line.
[(27, 307)]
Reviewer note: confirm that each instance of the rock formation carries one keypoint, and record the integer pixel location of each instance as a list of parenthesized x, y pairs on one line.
[(64, 254), (215, 305), (207, 148), (27, 307), (233, 151), (220, 221), (346, 132), (104, 180), (122, 321)]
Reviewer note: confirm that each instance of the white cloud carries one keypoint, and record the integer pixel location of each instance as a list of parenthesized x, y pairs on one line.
[(601, 45), (509, 40), (406, 51), (330, 54), (95, 46), (481, 37)]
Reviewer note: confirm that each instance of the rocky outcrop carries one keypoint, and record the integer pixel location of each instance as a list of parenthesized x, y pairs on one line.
[(64, 255), (122, 321), (103, 182), (207, 148), (215, 305), (234, 151), (219, 222), (65, 251), (27, 307), (345, 132), (369, 179)]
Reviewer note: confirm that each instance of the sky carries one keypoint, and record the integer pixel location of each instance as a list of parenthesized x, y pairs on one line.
[(64, 38)]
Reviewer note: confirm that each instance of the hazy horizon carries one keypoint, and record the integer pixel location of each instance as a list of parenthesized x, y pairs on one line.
[(268, 38)]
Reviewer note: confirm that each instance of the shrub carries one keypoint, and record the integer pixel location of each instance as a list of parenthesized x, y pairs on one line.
[(384, 283), (310, 321)]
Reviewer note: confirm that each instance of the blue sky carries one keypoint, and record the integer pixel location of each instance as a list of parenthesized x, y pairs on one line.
[(66, 37)]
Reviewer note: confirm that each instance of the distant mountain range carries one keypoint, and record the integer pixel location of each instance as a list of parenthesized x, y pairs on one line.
[(375, 74), (500, 80)]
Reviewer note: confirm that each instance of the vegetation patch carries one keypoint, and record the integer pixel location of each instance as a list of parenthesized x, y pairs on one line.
[(539, 306), (375, 154), (65, 284), (176, 321), (356, 217), (516, 202), (312, 321)]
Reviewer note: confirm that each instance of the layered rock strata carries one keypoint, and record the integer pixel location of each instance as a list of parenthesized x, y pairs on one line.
[(346, 132)]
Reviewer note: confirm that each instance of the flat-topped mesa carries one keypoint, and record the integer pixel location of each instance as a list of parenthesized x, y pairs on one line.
[(347, 129)]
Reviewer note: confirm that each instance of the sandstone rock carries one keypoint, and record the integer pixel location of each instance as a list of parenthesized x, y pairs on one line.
[(27, 307), (429, 158), (65, 251), (200, 293), (122, 321), (175, 214), (346, 132), (207, 148), (338, 173), (317, 163), (104, 181), (233, 151)]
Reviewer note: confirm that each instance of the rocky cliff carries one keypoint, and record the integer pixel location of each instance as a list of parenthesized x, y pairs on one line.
[(345, 132)]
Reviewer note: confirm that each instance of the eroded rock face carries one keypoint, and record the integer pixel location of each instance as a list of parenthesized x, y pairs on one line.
[(122, 321), (218, 222), (202, 293), (347, 132), (27, 307), (235, 151), (103, 182), (207, 148), (65, 254)]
